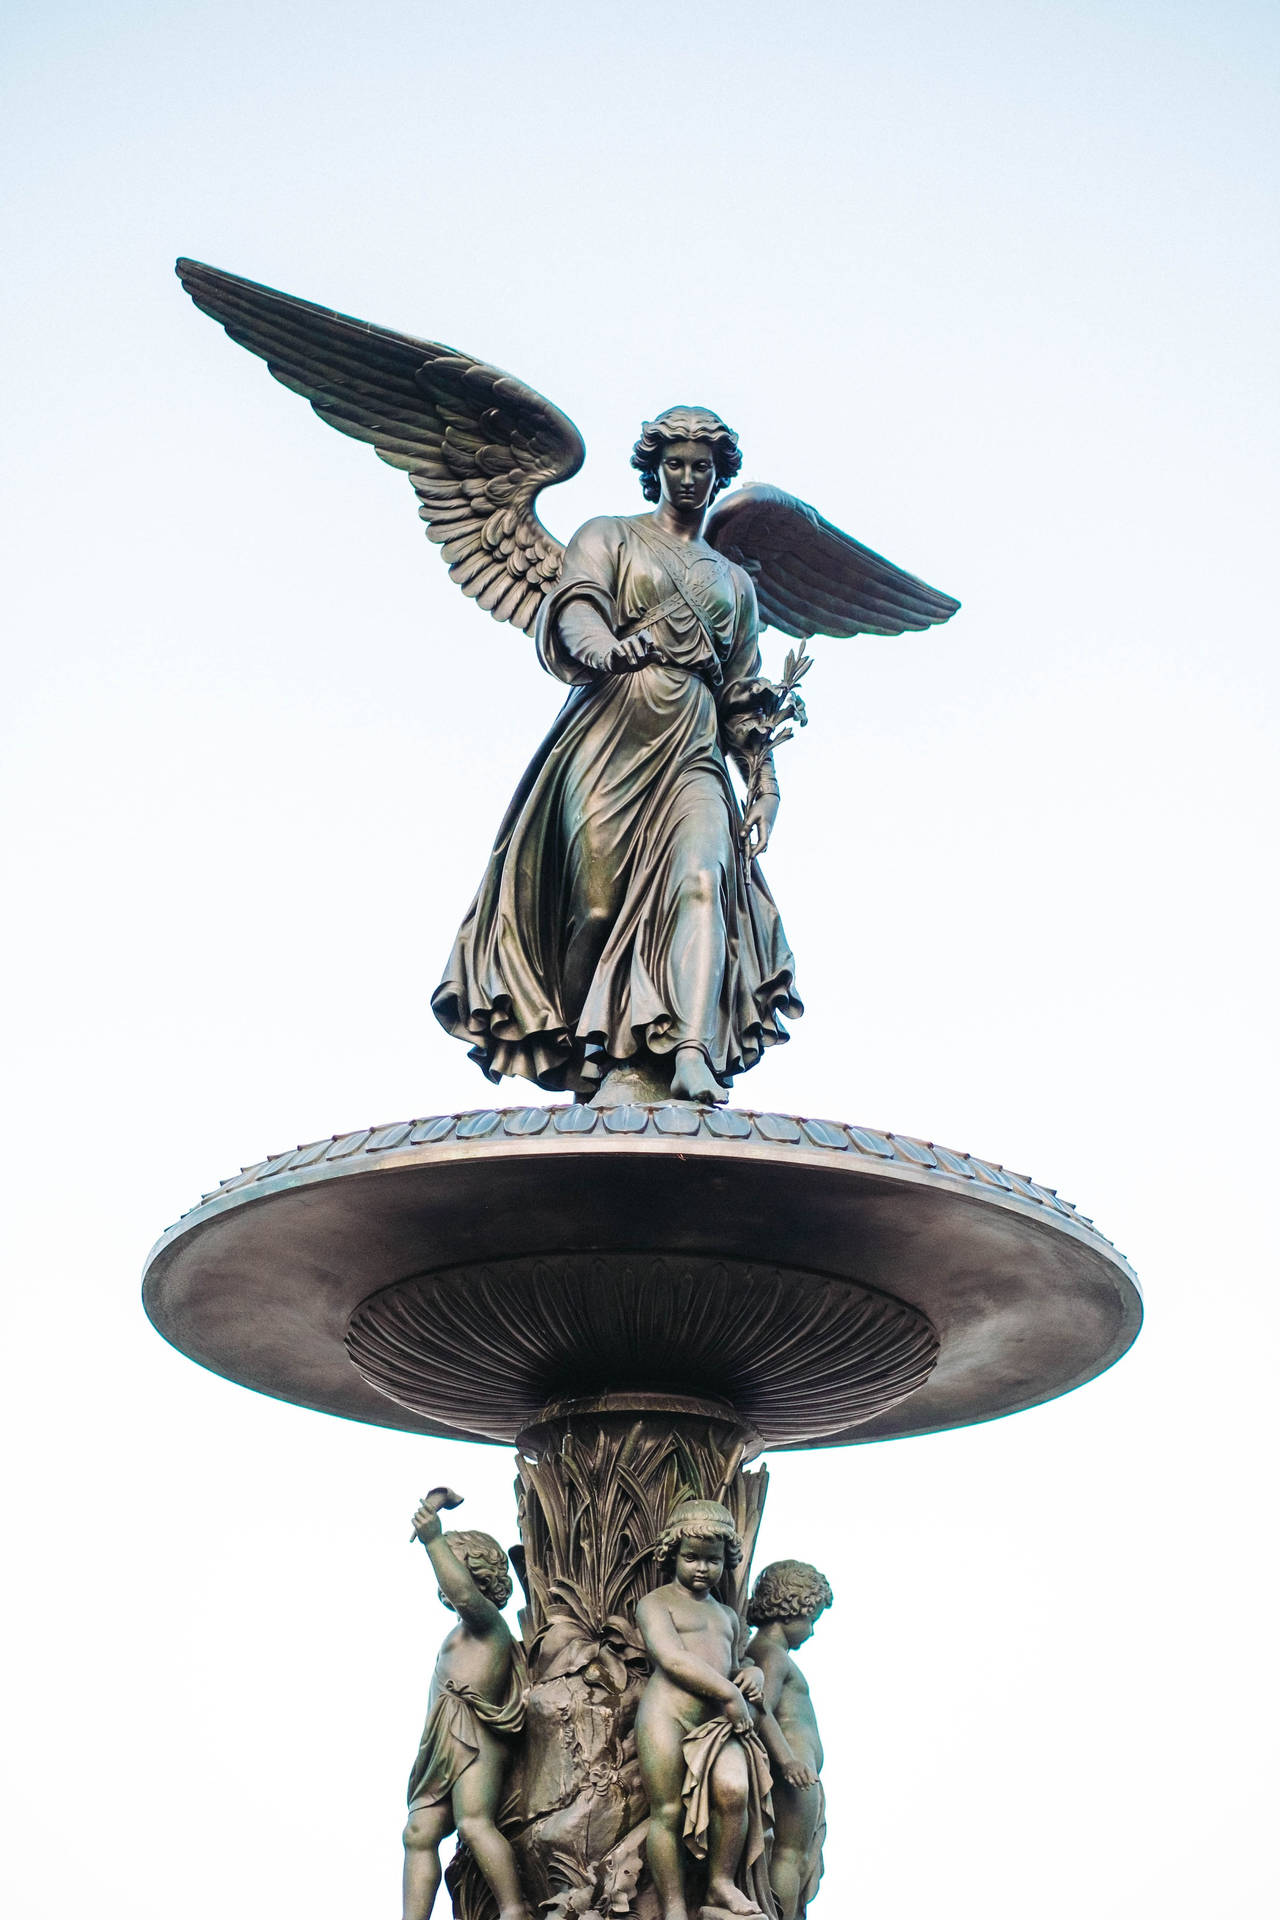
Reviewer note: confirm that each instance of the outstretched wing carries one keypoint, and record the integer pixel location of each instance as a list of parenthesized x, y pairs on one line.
[(477, 445), (811, 578)]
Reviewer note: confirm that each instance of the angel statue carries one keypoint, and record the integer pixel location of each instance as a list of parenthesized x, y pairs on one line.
[(623, 943)]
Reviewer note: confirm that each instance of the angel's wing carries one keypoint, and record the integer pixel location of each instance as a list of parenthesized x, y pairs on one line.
[(811, 578), (477, 445)]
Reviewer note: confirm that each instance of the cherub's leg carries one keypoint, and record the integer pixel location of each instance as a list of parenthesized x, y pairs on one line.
[(796, 1813), (660, 1744), (475, 1803), (728, 1833), (427, 1827)]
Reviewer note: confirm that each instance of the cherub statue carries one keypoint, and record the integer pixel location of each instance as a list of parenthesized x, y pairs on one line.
[(705, 1772), (476, 1705), (785, 1604), (623, 927)]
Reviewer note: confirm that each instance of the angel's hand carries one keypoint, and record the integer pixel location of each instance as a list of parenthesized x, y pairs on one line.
[(627, 655), (757, 697), (757, 824), (796, 1774)]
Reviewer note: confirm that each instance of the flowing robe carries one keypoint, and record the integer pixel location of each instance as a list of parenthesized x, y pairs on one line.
[(702, 1748), (451, 1737), (618, 913)]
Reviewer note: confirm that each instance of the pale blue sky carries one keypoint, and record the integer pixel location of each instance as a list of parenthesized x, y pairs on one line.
[(996, 287)]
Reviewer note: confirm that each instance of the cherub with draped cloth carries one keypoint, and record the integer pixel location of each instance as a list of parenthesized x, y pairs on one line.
[(476, 1706), (705, 1771), (622, 943)]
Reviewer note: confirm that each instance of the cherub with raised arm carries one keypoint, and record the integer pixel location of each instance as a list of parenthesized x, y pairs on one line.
[(476, 1705), (704, 1768), (785, 1604)]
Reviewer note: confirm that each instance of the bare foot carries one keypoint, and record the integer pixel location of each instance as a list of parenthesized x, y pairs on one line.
[(726, 1898), (694, 1080)]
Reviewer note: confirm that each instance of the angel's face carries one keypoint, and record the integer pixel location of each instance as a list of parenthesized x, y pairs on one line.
[(687, 474)]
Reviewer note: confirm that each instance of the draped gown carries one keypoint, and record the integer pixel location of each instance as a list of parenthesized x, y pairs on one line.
[(618, 915)]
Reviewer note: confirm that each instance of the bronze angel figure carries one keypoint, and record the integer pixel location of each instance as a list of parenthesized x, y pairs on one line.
[(623, 943)]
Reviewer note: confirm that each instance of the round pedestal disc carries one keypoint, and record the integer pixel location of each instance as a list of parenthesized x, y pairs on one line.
[(833, 1283)]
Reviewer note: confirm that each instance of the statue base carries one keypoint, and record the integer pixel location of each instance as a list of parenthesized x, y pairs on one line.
[(639, 1297)]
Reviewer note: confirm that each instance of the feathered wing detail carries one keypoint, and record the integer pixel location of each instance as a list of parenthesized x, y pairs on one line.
[(477, 445), (811, 578)]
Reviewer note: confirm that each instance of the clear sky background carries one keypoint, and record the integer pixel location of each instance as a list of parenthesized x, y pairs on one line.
[(995, 286)]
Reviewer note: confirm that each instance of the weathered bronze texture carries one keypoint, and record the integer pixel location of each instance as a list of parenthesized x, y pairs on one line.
[(265, 1280), (640, 1290), (794, 1354), (704, 1766), (623, 923), (595, 1494), (786, 1603), (475, 1713)]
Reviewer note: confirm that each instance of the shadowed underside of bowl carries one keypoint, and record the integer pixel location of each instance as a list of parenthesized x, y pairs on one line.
[(462, 1274)]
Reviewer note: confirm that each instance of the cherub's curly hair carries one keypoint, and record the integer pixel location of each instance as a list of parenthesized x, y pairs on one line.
[(697, 1520), (485, 1561), (685, 423), (785, 1590)]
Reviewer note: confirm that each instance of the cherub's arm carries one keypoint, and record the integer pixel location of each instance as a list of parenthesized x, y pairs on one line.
[(473, 1608), (773, 1665), (668, 1652), (747, 1677)]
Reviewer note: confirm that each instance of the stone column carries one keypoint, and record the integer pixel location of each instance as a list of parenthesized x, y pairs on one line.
[(596, 1482)]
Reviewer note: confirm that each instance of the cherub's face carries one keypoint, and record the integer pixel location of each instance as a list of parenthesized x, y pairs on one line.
[(699, 1564), (687, 474), (800, 1628)]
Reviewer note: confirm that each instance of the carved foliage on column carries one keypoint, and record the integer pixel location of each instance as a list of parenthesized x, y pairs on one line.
[(594, 1495)]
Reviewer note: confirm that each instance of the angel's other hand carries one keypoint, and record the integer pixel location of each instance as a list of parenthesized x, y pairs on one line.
[(627, 655), (796, 1774), (757, 825), (749, 697)]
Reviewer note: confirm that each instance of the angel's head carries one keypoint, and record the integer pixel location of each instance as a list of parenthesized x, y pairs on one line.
[(686, 452)]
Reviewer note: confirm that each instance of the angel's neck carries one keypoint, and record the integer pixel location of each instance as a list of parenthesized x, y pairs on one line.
[(680, 523)]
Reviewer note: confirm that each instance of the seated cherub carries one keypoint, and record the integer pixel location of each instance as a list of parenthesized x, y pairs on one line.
[(476, 1705), (785, 1604), (704, 1769)]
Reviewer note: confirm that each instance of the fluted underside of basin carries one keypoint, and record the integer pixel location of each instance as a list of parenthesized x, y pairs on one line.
[(797, 1355), (453, 1275)]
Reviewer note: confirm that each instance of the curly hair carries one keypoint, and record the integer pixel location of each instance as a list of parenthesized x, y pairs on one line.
[(697, 1520), (485, 1561), (685, 423), (785, 1590)]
